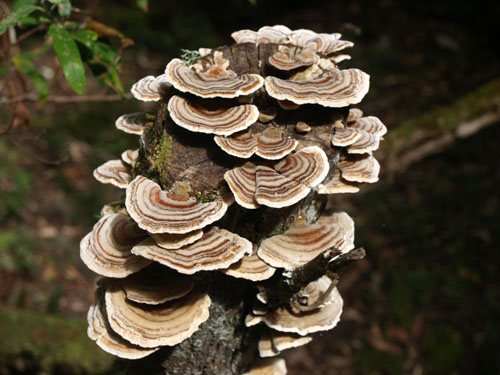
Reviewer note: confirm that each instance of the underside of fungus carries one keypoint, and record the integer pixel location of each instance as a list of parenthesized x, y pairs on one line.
[(233, 188)]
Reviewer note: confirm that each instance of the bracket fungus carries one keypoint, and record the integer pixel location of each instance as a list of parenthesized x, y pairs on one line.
[(222, 121), (114, 172), (173, 251), (160, 212), (132, 123)]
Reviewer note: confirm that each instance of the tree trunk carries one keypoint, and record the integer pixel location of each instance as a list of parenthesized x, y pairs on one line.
[(180, 159)]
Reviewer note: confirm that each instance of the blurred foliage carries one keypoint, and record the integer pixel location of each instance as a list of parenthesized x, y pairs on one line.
[(57, 346), (18, 182), (438, 227), (73, 45)]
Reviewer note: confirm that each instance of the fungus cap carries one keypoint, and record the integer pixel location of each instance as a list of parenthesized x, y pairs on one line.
[(345, 137), (272, 342), (244, 36), (365, 143), (241, 145), (321, 319), (285, 340), (370, 124), (337, 89), (276, 190), (114, 172), (106, 250), (300, 244), (185, 79), (160, 212), (271, 144), (153, 286), (338, 185), (242, 183), (346, 222), (171, 241), (272, 34), (354, 114), (150, 326), (130, 156), (225, 121), (360, 169), (216, 249), (309, 166), (132, 123), (289, 58), (250, 267), (268, 366), (150, 88), (100, 331)]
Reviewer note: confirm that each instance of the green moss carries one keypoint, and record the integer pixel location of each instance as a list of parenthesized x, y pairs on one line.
[(189, 57), (163, 154), (205, 196), (31, 340)]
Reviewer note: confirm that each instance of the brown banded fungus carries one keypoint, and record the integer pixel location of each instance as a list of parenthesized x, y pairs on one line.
[(150, 88), (152, 285), (106, 250), (114, 172), (323, 318), (160, 212), (271, 144), (132, 123), (216, 249), (302, 243), (284, 185), (268, 366), (218, 84), (251, 267), (150, 326), (100, 331), (130, 156), (173, 250), (336, 89), (223, 121), (272, 343)]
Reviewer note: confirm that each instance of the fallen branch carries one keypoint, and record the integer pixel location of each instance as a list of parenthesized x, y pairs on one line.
[(432, 132)]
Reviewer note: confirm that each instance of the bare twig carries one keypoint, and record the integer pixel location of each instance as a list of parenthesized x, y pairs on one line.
[(30, 32), (33, 97), (330, 262)]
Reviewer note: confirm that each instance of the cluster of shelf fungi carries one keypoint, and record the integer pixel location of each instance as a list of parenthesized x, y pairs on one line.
[(255, 140)]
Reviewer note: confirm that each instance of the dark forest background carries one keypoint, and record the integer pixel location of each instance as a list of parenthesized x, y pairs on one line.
[(424, 301)]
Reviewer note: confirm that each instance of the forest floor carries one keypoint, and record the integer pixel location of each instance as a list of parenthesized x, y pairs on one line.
[(424, 301)]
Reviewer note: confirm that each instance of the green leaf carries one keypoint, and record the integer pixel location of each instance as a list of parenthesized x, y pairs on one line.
[(115, 79), (56, 2), (143, 4), (86, 37), (13, 18), (104, 52), (25, 65), (64, 9), (69, 57), (21, 3)]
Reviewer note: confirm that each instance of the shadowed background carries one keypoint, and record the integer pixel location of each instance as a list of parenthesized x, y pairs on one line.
[(424, 301)]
